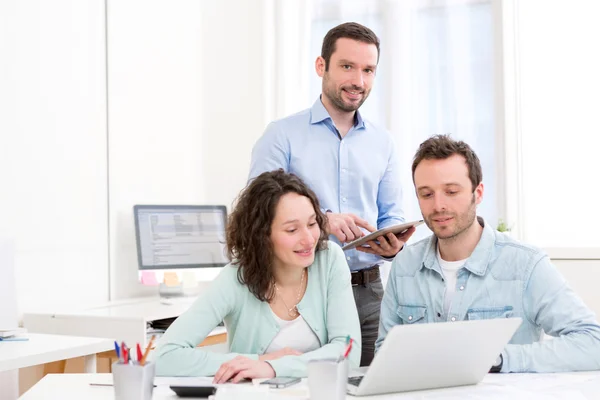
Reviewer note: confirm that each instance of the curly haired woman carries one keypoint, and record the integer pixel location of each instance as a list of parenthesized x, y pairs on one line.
[(285, 298)]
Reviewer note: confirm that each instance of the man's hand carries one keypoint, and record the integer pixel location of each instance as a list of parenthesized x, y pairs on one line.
[(346, 227), (286, 351), (241, 368), (388, 245)]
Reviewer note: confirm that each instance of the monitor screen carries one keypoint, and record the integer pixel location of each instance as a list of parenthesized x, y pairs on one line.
[(174, 237)]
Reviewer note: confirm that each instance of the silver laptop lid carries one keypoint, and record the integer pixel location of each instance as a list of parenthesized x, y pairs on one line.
[(435, 355)]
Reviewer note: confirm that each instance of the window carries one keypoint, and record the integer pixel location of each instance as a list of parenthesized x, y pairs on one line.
[(436, 76)]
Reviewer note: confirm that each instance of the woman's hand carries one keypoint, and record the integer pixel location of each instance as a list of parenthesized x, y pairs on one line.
[(286, 351), (243, 368)]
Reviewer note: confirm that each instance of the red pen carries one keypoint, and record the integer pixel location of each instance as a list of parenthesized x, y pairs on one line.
[(139, 352), (123, 355), (348, 348)]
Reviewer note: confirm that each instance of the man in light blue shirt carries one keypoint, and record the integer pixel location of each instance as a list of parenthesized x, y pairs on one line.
[(350, 164), (468, 271)]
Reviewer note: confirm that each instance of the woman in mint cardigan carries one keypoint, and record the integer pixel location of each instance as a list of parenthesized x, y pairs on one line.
[(285, 300)]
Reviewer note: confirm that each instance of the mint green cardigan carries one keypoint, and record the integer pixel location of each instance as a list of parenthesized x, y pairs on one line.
[(327, 306)]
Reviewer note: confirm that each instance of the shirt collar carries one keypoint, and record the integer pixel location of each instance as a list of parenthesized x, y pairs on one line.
[(318, 113), (478, 261)]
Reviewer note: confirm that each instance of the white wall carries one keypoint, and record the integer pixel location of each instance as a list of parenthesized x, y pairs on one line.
[(234, 93), (184, 79), (186, 104), (8, 313), (583, 277), (53, 150), (155, 113)]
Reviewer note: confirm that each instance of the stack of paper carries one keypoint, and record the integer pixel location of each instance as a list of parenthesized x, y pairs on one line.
[(6, 333), (13, 335)]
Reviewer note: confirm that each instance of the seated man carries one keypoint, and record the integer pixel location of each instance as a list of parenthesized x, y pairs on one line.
[(468, 270)]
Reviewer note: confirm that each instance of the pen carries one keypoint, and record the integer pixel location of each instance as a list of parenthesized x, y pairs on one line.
[(117, 350), (139, 352), (106, 384), (147, 350), (348, 348), (125, 351)]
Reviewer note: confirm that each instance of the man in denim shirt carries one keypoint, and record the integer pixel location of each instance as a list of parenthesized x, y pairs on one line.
[(467, 271)]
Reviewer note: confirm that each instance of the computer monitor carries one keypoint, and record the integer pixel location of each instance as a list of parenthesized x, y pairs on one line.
[(178, 236)]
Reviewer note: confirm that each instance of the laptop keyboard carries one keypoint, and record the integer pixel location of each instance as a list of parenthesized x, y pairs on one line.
[(355, 380)]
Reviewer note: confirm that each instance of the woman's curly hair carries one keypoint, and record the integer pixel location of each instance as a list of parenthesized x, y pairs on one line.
[(249, 228)]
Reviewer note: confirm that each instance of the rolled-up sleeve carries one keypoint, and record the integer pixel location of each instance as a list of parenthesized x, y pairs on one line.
[(550, 303)]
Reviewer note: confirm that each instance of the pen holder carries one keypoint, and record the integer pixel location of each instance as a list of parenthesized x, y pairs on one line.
[(328, 379), (133, 381)]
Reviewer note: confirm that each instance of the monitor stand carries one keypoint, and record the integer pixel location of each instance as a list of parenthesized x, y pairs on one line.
[(178, 293), (166, 292)]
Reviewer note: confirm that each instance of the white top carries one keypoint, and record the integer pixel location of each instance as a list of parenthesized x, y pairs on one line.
[(42, 349), (567, 386), (450, 270), (295, 334)]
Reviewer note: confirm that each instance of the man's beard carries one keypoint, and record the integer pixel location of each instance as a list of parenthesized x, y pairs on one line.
[(462, 222), (336, 99)]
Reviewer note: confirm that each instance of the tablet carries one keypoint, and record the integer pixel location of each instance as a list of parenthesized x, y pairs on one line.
[(395, 229), (194, 391)]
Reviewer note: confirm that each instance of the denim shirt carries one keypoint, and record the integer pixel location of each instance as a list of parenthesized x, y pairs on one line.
[(502, 278)]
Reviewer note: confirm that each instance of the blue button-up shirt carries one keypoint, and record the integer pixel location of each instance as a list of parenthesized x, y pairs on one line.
[(502, 278), (356, 174)]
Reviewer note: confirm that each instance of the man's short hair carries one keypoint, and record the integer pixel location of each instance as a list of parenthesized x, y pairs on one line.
[(349, 30), (441, 147)]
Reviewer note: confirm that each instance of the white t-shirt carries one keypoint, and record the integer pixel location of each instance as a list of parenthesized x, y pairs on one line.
[(450, 270), (295, 334)]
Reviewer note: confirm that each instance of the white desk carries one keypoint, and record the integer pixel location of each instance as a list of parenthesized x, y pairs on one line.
[(571, 386), (43, 349), (124, 320)]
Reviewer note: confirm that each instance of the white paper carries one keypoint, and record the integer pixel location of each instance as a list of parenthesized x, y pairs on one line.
[(107, 379)]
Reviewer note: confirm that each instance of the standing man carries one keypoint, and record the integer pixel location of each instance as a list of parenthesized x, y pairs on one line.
[(350, 164), (468, 271)]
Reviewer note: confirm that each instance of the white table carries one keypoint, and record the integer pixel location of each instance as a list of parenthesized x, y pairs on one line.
[(570, 386), (125, 320), (43, 349)]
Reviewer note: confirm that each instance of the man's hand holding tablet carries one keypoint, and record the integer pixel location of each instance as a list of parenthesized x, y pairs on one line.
[(386, 242)]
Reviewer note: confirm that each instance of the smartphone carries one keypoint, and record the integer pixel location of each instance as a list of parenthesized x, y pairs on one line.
[(280, 382)]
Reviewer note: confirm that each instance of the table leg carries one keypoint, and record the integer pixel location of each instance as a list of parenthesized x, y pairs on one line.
[(9, 382), (89, 364)]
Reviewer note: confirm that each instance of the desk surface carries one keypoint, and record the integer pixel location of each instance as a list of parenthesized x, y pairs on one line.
[(42, 349), (125, 320), (569, 386), (144, 308)]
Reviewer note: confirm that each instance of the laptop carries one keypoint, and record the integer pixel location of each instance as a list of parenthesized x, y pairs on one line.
[(435, 355)]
